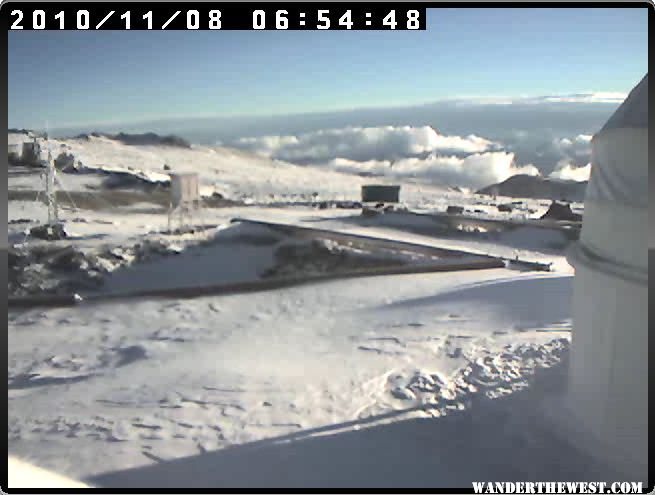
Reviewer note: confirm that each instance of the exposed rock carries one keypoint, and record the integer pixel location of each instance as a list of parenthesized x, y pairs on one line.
[(318, 257), (53, 232), (51, 269), (561, 211), (65, 162), (126, 180), (27, 132), (146, 139), (423, 382), (69, 259), (528, 186), (403, 393), (150, 138)]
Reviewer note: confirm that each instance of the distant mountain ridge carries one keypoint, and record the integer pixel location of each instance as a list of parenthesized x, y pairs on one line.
[(529, 186), (27, 132), (145, 139)]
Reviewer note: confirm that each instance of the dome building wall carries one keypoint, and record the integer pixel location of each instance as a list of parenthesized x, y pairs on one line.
[(608, 384)]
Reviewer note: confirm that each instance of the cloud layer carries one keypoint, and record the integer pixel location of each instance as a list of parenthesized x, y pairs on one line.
[(362, 144), (475, 171), (595, 97), (567, 171), (403, 152)]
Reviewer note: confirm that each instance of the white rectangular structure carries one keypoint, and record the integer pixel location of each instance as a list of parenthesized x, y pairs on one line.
[(31, 152), (184, 189)]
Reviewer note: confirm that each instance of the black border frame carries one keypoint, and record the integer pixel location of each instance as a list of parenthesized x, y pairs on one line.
[(526, 4)]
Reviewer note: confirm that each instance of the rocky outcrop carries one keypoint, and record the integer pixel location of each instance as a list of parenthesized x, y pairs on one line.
[(27, 132), (561, 211), (56, 269), (145, 139), (127, 180), (65, 162), (55, 232), (528, 186), (151, 139)]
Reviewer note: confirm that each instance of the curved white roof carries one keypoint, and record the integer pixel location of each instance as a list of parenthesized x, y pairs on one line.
[(620, 153), (614, 229), (633, 112)]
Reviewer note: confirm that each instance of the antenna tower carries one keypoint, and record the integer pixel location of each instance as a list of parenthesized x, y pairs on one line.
[(50, 184)]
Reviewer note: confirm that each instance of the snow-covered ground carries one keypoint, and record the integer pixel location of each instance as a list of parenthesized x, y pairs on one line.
[(242, 175), (101, 388), (117, 385)]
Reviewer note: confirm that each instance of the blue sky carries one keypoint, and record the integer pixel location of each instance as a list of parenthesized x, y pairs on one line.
[(70, 78)]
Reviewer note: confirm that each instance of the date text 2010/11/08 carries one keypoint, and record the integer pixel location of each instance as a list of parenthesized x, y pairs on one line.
[(214, 19)]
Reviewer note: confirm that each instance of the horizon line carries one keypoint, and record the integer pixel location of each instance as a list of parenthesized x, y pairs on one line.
[(585, 98)]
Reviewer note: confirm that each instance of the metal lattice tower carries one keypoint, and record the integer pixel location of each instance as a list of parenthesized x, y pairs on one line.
[(50, 189)]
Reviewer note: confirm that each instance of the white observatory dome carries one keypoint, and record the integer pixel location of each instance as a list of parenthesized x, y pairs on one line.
[(608, 387)]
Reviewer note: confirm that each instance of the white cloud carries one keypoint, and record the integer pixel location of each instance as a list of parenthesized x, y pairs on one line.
[(566, 171), (598, 97), (475, 171), (362, 144), (267, 145), (401, 151), (583, 138), (581, 141), (577, 149), (589, 97)]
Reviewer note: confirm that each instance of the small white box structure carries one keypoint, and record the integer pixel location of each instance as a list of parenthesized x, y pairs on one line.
[(31, 152), (184, 189), (185, 199)]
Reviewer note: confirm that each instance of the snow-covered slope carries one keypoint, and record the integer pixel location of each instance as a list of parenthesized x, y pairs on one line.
[(119, 385), (233, 173), (242, 175), (22, 474), (102, 388)]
